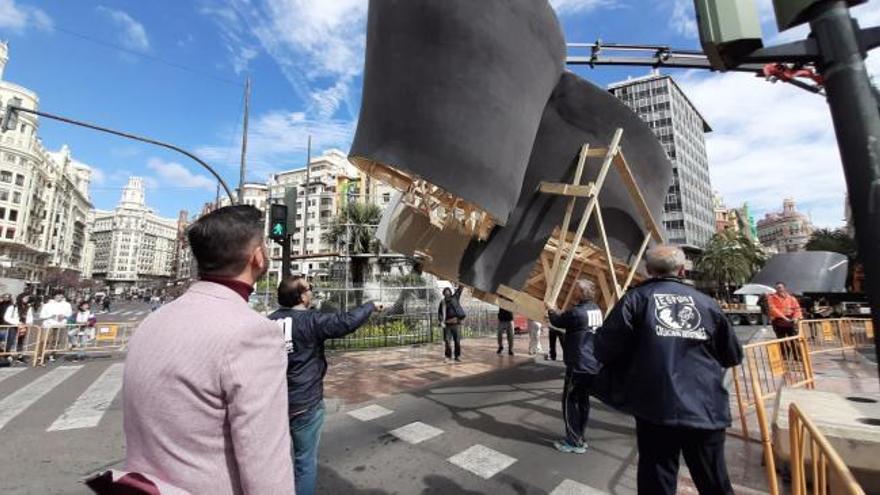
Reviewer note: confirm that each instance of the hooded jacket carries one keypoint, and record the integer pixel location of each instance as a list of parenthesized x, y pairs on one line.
[(669, 344)]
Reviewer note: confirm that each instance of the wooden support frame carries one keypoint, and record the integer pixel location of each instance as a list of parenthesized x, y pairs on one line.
[(566, 220)]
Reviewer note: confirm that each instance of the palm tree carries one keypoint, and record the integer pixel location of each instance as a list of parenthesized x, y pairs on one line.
[(353, 231), (730, 259)]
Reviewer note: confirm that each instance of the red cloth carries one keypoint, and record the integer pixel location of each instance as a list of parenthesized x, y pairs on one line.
[(242, 289)]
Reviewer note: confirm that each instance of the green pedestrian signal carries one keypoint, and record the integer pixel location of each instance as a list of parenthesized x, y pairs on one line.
[(278, 223)]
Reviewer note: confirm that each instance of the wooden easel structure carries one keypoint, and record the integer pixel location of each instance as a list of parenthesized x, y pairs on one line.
[(566, 258)]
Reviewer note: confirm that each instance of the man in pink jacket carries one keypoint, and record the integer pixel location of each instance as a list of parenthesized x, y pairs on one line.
[(204, 392)]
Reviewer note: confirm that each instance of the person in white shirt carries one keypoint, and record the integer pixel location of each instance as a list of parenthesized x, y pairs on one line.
[(535, 328), (54, 315), (85, 324)]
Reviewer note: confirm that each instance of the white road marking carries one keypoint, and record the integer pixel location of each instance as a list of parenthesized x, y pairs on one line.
[(124, 313), (139, 313), (90, 407), (369, 413), (569, 487), (416, 432), (482, 461), (21, 399), (9, 372)]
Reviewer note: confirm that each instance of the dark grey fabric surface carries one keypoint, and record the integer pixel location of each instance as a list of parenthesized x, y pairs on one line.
[(454, 89), (578, 112), (806, 271)]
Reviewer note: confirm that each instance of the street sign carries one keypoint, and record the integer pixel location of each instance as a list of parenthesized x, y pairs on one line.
[(278, 223)]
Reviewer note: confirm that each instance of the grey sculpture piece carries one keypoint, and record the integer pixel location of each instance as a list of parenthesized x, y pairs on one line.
[(805, 271), (453, 93), (578, 112)]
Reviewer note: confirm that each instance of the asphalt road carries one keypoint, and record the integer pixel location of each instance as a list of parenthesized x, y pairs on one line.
[(123, 312), (490, 433)]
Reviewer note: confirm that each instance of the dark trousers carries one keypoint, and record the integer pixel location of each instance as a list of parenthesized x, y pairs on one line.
[(554, 336), (660, 448), (783, 329), (505, 327), (576, 406), (452, 333)]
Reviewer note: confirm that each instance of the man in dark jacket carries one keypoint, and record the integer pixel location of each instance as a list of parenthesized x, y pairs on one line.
[(672, 343), (305, 331), (450, 314), (580, 324), (505, 325)]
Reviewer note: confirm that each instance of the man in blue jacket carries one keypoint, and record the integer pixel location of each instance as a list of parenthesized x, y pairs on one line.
[(305, 331), (580, 324), (672, 344)]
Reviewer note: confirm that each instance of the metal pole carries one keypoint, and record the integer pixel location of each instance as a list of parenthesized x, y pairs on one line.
[(285, 255), (305, 222), (242, 173), (857, 125), (136, 138)]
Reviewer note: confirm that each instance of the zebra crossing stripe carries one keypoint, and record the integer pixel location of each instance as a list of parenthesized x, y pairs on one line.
[(21, 399), (569, 487), (90, 407), (124, 313), (9, 372)]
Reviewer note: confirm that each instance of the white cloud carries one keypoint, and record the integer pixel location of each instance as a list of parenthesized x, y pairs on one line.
[(770, 141), (133, 36), (573, 6), (318, 46), (172, 173), (682, 18), (98, 176), (17, 18), (278, 139)]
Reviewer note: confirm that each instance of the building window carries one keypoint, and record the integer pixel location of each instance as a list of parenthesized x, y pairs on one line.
[(16, 197), (13, 215), (5, 176), (10, 233), (19, 180)]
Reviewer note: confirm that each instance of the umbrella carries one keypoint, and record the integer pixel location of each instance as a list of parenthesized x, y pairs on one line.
[(754, 289)]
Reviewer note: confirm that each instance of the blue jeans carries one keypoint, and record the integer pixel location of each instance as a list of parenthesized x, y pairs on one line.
[(305, 434)]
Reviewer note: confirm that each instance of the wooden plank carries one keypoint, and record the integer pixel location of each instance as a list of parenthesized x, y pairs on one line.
[(608, 258), (561, 189), (528, 305), (632, 186), (606, 294), (577, 275), (588, 212), (635, 265), (566, 220)]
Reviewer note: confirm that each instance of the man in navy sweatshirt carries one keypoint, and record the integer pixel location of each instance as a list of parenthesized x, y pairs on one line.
[(305, 331)]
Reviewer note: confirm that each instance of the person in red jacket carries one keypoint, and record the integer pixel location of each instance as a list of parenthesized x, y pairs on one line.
[(784, 311)]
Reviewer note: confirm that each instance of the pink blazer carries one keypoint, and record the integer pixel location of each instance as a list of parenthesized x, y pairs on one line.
[(205, 397)]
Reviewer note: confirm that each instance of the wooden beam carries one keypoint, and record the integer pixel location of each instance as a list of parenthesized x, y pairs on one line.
[(635, 191), (635, 265), (561, 189), (528, 305), (608, 258), (577, 275), (566, 220), (545, 266), (588, 212), (606, 294)]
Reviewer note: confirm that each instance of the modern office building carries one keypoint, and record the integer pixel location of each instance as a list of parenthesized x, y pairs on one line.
[(689, 217)]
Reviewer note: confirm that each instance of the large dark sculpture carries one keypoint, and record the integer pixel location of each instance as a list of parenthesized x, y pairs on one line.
[(453, 93), (806, 271), (578, 112)]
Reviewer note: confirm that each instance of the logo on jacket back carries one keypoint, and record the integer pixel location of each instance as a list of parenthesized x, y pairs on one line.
[(678, 316)]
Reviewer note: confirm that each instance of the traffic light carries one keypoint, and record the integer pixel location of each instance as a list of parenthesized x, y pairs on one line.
[(729, 30), (10, 117), (290, 201), (790, 13), (278, 223)]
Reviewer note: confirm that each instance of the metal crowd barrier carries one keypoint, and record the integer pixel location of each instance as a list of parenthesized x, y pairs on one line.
[(20, 342), (839, 334), (83, 340), (767, 367), (813, 455)]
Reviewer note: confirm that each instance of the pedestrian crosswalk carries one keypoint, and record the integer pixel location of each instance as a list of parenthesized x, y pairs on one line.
[(86, 410), (478, 459)]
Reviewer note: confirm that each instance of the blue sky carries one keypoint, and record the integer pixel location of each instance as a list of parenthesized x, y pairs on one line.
[(175, 71)]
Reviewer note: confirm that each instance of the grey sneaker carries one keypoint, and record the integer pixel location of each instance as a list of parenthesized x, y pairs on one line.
[(565, 447)]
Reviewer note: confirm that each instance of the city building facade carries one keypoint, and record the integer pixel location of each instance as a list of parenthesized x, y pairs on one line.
[(736, 220), (44, 197), (787, 231), (688, 217), (134, 247)]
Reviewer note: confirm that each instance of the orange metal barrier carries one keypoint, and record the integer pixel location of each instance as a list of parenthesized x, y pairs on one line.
[(82, 339), (20, 342), (767, 367), (812, 454), (839, 334)]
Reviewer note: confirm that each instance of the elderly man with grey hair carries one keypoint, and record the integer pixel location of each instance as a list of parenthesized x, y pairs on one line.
[(671, 343), (580, 324)]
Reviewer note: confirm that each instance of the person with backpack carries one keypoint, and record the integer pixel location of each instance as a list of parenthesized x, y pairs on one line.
[(450, 315)]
